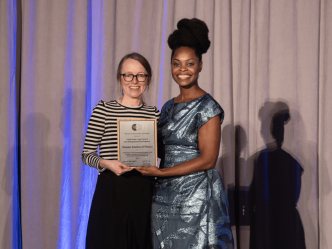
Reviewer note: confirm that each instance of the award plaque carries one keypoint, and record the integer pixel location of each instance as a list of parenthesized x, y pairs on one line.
[(137, 142)]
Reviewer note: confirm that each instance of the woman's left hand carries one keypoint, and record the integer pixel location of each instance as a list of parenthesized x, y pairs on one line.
[(149, 170)]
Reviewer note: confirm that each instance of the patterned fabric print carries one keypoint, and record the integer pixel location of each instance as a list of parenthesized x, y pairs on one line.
[(189, 211)]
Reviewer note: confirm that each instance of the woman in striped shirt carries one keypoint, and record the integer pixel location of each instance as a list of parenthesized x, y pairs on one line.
[(120, 210)]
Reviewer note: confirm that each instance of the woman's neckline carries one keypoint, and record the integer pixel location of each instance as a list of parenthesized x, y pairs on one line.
[(189, 100), (139, 106)]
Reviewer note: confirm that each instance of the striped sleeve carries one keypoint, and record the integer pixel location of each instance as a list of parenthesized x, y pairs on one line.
[(94, 134), (157, 113)]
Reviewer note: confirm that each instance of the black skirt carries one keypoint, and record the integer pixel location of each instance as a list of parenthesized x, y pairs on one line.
[(120, 212)]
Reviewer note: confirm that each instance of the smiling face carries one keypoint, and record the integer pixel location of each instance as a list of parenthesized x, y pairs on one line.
[(133, 89), (185, 67)]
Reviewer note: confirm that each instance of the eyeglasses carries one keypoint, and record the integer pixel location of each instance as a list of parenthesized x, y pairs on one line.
[(141, 77)]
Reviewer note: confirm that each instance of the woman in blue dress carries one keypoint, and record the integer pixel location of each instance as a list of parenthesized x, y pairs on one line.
[(190, 206)]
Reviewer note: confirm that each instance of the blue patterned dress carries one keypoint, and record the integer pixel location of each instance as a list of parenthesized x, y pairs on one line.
[(189, 211)]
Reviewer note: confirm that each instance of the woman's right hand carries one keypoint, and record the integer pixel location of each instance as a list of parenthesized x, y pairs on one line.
[(115, 166)]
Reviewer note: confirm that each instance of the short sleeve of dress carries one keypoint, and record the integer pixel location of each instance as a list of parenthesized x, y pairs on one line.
[(208, 109), (161, 121), (164, 114)]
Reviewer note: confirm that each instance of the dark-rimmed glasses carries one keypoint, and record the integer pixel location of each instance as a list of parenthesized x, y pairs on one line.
[(141, 77)]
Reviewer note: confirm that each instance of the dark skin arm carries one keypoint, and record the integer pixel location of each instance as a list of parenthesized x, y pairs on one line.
[(208, 144)]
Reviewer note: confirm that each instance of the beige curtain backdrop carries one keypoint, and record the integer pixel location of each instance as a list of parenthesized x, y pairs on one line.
[(8, 120), (264, 56)]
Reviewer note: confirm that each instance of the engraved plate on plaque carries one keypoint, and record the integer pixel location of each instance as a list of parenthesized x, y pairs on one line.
[(137, 142)]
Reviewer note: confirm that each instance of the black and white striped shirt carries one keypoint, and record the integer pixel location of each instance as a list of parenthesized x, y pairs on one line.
[(102, 129)]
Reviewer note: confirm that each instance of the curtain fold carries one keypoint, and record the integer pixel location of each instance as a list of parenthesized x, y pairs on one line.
[(324, 131), (268, 67), (10, 219)]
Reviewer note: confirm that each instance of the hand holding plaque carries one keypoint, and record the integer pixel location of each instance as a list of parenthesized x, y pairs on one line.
[(137, 142)]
